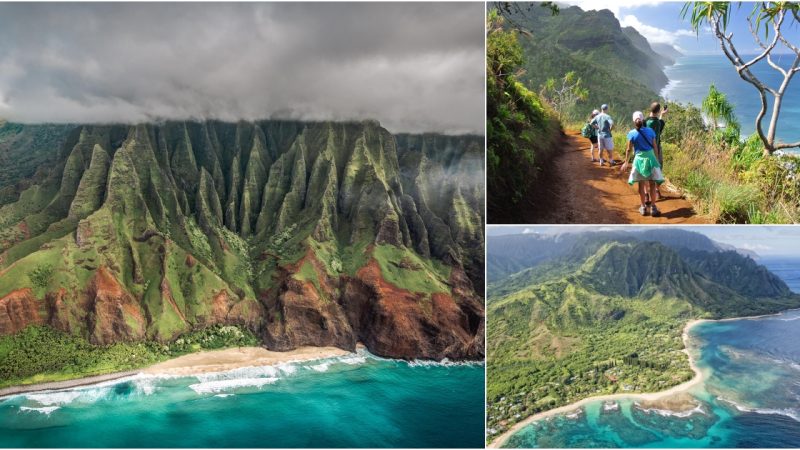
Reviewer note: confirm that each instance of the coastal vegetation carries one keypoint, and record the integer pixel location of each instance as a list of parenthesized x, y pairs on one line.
[(40, 354), (729, 178), (771, 17), (521, 129), (133, 241), (605, 314)]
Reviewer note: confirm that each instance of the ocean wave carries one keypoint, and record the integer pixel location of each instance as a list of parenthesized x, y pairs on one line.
[(671, 85), (443, 363), (670, 413), (789, 319), (575, 414), (46, 410), (787, 412), (610, 406), (320, 367), (50, 398), (242, 372), (288, 368), (216, 386)]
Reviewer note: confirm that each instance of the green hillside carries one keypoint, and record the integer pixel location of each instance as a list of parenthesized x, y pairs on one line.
[(300, 233), (615, 64), (609, 319)]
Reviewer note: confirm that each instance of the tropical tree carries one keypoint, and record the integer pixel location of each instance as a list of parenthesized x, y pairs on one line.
[(716, 107), (771, 17), (563, 94)]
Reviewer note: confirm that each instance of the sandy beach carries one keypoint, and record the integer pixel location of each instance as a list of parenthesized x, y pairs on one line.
[(234, 358), (194, 363), (644, 397)]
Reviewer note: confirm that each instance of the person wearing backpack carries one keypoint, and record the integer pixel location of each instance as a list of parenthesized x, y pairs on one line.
[(656, 122), (588, 131), (603, 123), (646, 170)]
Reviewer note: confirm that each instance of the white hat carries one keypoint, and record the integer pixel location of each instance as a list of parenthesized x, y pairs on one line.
[(595, 112), (638, 115)]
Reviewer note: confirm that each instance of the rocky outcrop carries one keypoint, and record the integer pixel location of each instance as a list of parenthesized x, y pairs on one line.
[(116, 315), (18, 309), (158, 229)]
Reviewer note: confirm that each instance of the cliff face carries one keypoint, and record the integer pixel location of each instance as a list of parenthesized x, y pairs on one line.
[(306, 233)]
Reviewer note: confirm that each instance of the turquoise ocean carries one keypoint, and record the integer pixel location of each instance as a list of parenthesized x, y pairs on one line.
[(351, 401), (749, 398), (691, 75)]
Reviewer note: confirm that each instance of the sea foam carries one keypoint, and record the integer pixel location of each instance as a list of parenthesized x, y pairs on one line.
[(212, 387), (670, 413), (787, 412), (46, 410)]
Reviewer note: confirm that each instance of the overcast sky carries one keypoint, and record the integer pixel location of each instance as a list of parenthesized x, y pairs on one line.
[(764, 240), (414, 67)]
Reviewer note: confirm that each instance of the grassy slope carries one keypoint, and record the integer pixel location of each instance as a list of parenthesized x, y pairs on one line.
[(164, 239), (556, 339)]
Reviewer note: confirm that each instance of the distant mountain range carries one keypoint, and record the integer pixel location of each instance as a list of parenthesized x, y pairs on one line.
[(321, 234), (584, 314), (617, 65), (512, 253)]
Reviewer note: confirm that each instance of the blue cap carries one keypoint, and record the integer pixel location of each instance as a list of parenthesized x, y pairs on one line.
[(604, 107)]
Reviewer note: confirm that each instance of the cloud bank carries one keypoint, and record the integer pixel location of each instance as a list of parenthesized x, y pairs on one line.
[(414, 67)]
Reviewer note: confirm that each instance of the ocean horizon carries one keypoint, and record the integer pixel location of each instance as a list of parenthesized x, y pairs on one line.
[(689, 82)]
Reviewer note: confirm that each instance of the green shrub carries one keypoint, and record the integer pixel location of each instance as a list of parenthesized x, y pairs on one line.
[(40, 276)]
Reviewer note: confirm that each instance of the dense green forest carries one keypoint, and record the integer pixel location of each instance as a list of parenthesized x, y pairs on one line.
[(40, 354), (616, 65), (521, 129), (605, 315)]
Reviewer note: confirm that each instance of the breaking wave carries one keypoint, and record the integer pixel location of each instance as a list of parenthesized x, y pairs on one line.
[(216, 386), (787, 412), (670, 413), (46, 410)]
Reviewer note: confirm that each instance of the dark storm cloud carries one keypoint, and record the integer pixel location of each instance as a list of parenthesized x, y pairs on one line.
[(415, 67)]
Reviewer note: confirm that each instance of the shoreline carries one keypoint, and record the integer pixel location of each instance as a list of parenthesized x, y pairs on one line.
[(206, 361), (699, 376)]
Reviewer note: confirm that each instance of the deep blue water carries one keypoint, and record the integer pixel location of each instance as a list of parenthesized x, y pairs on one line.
[(357, 401), (691, 76), (786, 268), (749, 398)]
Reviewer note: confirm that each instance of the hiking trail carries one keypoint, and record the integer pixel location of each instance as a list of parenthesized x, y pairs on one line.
[(583, 192)]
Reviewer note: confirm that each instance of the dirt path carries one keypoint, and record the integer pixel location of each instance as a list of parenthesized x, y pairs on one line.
[(588, 193)]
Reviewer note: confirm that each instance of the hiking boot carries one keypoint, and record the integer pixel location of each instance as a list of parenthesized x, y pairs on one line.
[(654, 211), (643, 210), (602, 161)]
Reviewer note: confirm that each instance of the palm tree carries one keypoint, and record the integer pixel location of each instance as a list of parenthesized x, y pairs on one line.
[(769, 17), (717, 107)]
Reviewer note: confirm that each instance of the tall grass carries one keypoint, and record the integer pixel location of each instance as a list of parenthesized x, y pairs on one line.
[(730, 183)]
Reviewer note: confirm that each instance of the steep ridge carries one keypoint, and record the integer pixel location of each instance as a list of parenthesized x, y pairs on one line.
[(306, 233), (617, 65), (608, 314)]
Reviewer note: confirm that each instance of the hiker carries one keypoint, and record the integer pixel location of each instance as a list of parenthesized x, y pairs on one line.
[(646, 171), (655, 121), (603, 123), (590, 132)]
